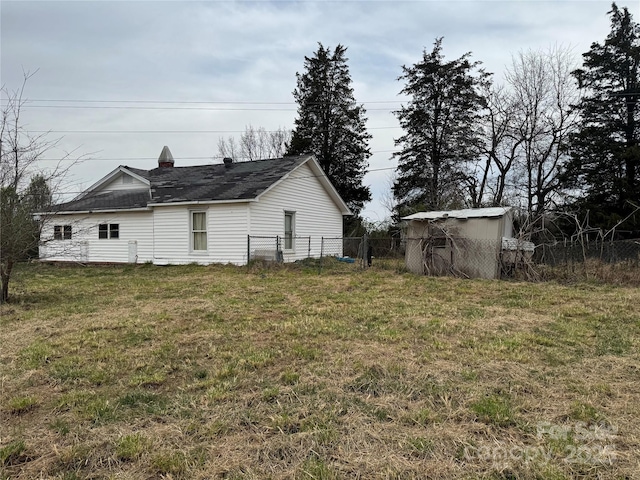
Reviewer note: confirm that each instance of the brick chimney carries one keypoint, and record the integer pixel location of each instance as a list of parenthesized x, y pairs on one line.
[(165, 160)]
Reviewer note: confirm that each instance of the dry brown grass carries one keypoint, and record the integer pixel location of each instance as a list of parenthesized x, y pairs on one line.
[(221, 372), (593, 270)]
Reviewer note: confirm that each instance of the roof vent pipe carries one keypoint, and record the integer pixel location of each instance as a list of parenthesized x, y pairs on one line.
[(227, 161)]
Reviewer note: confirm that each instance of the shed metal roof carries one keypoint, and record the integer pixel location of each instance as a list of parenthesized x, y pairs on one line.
[(491, 212)]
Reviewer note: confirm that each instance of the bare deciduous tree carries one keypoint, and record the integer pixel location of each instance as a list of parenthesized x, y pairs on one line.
[(543, 92), (526, 123), (255, 144), (25, 187)]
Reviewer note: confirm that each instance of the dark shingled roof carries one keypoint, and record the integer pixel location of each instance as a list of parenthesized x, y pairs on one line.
[(114, 200), (220, 182)]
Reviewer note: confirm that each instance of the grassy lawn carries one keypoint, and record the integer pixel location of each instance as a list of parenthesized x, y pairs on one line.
[(141, 372)]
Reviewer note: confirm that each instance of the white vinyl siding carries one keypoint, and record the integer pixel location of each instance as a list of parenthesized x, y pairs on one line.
[(226, 234), (85, 246), (316, 215)]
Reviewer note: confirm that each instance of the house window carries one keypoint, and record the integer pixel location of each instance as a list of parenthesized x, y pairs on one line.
[(109, 230), (289, 230), (199, 231), (62, 232)]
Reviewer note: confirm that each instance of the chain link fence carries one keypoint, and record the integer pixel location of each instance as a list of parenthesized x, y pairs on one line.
[(451, 256), (569, 253), (360, 251)]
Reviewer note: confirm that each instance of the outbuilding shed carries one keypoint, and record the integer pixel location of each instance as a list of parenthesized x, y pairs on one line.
[(474, 242)]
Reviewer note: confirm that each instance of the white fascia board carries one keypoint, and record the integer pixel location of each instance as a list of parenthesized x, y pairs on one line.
[(199, 202), (322, 177)]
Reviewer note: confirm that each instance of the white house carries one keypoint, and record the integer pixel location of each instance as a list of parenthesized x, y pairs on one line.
[(200, 214), (473, 242)]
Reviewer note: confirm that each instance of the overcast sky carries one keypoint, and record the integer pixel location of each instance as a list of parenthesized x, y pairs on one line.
[(111, 76)]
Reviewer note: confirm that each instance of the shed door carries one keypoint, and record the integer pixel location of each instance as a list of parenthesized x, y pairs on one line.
[(133, 251)]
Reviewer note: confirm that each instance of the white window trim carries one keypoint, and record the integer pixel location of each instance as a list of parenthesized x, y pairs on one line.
[(62, 230), (108, 231), (293, 231), (192, 250)]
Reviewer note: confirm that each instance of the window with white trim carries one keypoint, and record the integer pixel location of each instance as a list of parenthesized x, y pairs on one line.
[(289, 230), (198, 231), (109, 230), (62, 232)]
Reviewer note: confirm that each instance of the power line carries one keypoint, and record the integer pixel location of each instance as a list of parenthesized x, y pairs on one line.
[(189, 102), (139, 107), (125, 159), (171, 131)]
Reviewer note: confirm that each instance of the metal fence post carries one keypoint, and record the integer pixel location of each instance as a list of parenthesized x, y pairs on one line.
[(278, 249), (248, 249), (365, 251), (309, 248)]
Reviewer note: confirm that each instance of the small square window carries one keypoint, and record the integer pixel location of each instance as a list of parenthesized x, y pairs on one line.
[(114, 230), (439, 242), (62, 232), (103, 230)]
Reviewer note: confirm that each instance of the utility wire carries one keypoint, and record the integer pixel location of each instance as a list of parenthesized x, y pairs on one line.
[(138, 107), (189, 102), (123, 159), (172, 131)]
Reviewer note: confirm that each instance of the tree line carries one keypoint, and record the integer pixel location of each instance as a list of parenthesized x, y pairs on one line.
[(551, 136)]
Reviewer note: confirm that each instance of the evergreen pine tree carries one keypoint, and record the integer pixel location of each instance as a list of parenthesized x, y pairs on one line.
[(605, 164), (441, 124), (331, 125)]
